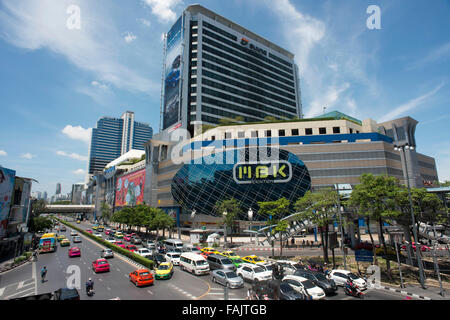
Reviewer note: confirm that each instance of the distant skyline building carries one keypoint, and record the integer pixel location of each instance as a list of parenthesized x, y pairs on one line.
[(215, 69), (58, 188), (114, 137), (44, 195)]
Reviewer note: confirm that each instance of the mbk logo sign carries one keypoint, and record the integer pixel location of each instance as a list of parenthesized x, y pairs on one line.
[(257, 172), (244, 41)]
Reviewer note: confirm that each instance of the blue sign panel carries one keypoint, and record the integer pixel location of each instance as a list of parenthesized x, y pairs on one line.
[(364, 255)]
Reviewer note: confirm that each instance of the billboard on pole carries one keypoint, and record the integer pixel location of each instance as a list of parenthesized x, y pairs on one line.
[(130, 189), (7, 178), (172, 74)]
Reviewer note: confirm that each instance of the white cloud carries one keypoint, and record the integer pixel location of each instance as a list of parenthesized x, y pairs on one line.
[(411, 104), (77, 133), (98, 84), (145, 22), (72, 155), (327, 100), (163, 9), (436, 54), (326, 66), (79, 172), (3, 153), (34, 25), (27, 156), (130, 37)]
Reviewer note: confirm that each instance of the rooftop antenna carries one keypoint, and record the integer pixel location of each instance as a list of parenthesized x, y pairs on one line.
[(324, 108)]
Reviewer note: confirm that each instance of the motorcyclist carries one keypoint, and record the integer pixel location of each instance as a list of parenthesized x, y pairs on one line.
[(351, 286), (89, 286)]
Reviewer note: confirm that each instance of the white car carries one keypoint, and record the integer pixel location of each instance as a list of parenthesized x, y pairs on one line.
[(111, 240), (289, 267), (301, 284), (144, 252), (173, 257), (97, 234), (73, 233), (340, 278), (253, 272)]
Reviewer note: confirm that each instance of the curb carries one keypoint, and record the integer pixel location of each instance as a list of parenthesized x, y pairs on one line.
[(403, 292), (16, 265)]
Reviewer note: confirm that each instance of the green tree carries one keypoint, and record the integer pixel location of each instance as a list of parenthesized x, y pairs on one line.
[(275, 210), (374, 198), (270, 118), (319, 207), (233, 209), (162, 220), (106, 212), (40, 224)]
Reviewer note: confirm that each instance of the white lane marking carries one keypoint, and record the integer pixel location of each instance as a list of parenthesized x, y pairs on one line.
[(149, 292), (2, 290), (126, 276), (100, 279), (118, 269), (33, 275), (108, 288), (20, 292)]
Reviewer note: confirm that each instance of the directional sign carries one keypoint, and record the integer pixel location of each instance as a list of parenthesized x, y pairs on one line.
[(363, 255)]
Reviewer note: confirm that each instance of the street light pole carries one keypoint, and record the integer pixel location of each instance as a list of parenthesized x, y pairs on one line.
[(225, 227), (413, 220), (341, 226), (250, 217)]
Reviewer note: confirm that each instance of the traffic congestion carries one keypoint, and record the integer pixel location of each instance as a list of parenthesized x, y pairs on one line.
[(190, 271)]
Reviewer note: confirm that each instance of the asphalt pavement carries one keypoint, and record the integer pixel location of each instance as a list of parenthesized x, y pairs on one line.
[(25, 280)]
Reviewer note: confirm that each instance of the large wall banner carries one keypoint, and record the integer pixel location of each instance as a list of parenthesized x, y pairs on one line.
[(7, 178), (172, 74), (130, 189)]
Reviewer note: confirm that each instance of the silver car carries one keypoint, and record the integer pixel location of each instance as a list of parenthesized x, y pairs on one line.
[(227, 278), (107, 253)]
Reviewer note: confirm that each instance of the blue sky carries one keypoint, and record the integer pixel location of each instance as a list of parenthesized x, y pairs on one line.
[(55, 82)]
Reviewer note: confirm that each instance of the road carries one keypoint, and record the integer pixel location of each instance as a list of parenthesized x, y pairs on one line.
[(24, 280)]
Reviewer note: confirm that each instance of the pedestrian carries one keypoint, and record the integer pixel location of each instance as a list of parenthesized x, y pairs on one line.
[(43, 273), (292, 241), (303, 243), (307, 243)]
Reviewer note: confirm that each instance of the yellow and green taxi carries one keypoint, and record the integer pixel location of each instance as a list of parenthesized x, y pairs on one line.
[(229, 254), (65, 242), (236, 261), (253, 259), (61, 237), (164, 271), (78, 221), (100, 228), (209, 250), (118, 235), (95, 227)]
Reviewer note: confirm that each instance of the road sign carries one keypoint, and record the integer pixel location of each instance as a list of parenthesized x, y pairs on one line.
[(363, 255)]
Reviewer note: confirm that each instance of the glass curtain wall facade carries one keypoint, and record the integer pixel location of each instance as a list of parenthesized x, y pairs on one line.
[(230, 72), (114, 137), (200, 184)]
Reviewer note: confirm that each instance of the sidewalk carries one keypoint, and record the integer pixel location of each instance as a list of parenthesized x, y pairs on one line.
[(415, 291)]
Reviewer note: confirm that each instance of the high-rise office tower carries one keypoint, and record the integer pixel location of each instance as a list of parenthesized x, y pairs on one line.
[(58, 188), (215, 68), (114, 137)]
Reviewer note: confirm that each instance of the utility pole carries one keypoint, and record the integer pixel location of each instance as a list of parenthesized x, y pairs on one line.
[(341, 226)]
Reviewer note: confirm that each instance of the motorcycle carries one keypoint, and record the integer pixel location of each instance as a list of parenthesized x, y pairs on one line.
[(90, 292), (353, 291)]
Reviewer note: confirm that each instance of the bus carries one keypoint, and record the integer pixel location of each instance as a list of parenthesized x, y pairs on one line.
[(47, 243)]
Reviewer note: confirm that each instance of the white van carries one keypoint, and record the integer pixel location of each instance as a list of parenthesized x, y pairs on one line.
[(194, 263), (172, 244)]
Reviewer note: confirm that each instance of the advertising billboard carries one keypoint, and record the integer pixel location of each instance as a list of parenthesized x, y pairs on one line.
[(7, 178), (172, 74), (130, 189), (24, 203)]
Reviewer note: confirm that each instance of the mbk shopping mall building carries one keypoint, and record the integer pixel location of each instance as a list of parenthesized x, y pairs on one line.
[(216, 69)]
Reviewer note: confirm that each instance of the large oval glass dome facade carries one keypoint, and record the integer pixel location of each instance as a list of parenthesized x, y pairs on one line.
[(249, 175)]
